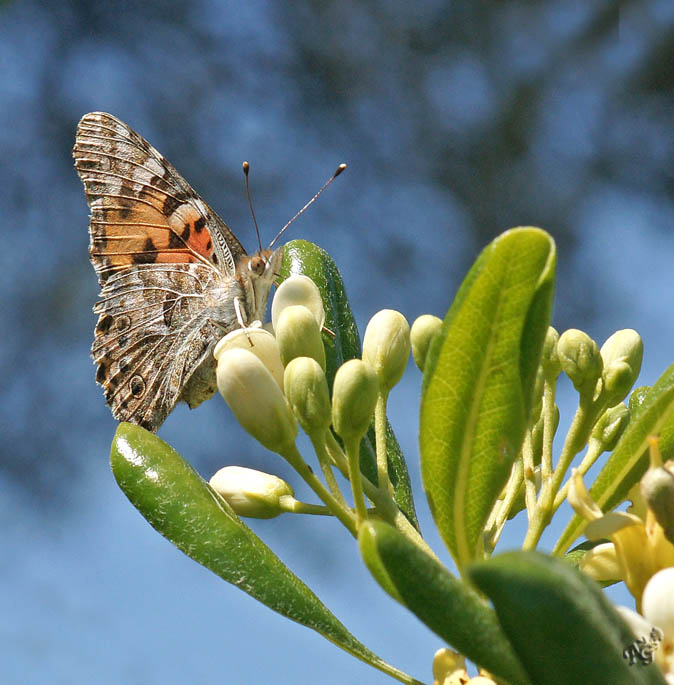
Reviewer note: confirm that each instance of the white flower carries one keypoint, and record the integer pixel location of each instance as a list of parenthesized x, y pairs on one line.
[(354, 394), (251, 493), (256, 399), (386, 346), (298, 290), (258, 341), (424, 329), (298, 335)]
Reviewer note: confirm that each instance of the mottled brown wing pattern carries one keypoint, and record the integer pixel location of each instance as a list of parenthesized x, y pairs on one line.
[(166, 263), (151, 336), (142, 210)]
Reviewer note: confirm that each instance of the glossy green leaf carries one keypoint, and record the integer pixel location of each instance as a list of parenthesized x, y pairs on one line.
[(629, 460), (447, 605), (559, 622), (180, 505), (478, 383), (303, 257)]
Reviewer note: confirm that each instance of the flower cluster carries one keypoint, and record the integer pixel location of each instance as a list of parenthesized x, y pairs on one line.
[(276, 381)]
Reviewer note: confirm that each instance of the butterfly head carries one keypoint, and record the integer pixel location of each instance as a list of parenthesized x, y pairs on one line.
[(260, 270)]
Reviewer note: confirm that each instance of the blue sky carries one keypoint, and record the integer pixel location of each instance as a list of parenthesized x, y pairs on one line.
[(456, 122)]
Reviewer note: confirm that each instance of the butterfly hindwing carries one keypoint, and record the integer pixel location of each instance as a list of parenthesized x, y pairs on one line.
[(150, 338)]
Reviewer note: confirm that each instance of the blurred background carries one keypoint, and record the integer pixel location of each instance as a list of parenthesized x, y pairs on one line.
[(457, 119)]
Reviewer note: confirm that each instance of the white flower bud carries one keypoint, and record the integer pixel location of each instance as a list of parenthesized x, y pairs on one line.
[(251, 493), (657, 602), (307, 392), (445, 663), (580, 359), (552, 367), (256, 399), (386, 346), (298, 335), (424, 329), (258, 341), (621, 355), (298, 290), (354, 395)]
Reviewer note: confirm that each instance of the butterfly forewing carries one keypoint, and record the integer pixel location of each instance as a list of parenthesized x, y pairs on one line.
[(142, 210)]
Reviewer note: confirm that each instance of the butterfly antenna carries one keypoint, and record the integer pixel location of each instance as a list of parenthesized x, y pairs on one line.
[(340, 168), (246, 169)]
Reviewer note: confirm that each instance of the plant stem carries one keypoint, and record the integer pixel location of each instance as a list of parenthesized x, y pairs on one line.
[(318, 441), (593, 453), (576, 439), (385, 505), (353, 460), (549, 428), (293, 506), (528, 473), (512, 488), (380, 442), (294, 458)]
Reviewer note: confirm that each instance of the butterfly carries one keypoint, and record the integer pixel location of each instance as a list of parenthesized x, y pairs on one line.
[(174, 278)]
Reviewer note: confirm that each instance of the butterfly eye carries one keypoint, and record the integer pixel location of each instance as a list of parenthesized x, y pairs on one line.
[(257, 264)]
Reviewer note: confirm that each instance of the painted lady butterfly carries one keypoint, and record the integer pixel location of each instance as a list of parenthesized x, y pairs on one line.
[(172, 275)]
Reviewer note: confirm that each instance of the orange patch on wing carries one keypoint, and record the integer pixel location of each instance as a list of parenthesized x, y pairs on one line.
[(142, 234), (190, 227)]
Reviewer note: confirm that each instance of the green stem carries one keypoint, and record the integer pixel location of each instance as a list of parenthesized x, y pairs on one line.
[(380, 441), (293, 506), (294, 458), (576, 439), (512, 489), (318, 441), (386, 506), (352, 446), (593, 453), (528, 473), (549, 420)]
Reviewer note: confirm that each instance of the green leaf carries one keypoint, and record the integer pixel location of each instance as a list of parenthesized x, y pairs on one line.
[(478, 383), (180, 505), (447, 605), (303, 257), (629, 460), (559, 622)]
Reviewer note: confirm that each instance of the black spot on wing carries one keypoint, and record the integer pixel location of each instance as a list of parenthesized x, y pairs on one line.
[(137, 386), (175, 241), (101, 373), (199, 224), (148, 255), (172, 202), (104, 323)]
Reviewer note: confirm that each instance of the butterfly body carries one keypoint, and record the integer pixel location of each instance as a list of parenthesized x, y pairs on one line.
[(170, 272)]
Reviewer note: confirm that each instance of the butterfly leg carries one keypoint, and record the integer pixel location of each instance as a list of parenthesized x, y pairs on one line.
[(242, 323)]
